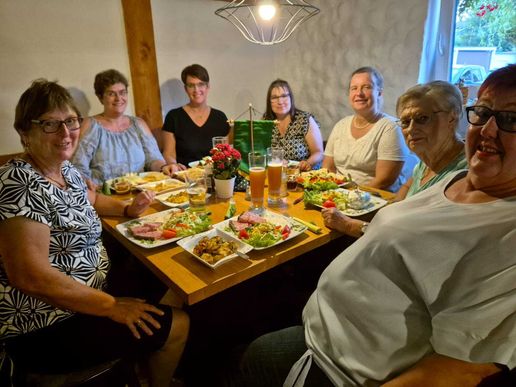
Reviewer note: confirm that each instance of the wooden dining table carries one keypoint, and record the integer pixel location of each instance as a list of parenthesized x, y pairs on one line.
[(193, 281)]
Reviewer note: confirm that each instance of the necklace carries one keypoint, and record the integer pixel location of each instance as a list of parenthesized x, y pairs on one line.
[(40, 170), (375, 119)]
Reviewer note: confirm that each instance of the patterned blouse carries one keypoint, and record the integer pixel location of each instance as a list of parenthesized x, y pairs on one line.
[(293, 142), (75, 245)]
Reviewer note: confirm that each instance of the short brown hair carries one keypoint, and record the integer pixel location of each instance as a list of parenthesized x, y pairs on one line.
[(41, 97), (197, 71), (108, 78), (374, 73)]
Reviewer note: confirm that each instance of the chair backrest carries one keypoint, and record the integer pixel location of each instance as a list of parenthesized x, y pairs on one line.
[(5, 158), (262, 136)]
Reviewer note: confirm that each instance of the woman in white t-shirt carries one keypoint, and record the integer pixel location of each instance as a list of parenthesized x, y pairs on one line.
[(368, 145)]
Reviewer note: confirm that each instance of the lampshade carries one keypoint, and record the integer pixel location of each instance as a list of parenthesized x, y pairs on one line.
[(267, 22)]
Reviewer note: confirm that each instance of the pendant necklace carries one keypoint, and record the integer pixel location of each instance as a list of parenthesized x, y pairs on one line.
[(37, 167)]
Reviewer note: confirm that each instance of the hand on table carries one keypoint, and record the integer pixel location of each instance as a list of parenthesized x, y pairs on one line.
[(170, 169), (135, 313), (336, 220), (304, 165), (140, 203)]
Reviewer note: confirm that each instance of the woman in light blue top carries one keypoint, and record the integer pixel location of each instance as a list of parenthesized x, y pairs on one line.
[(429, 117), (113, 143)]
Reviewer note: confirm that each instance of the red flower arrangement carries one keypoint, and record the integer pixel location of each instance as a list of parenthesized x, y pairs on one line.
[(484, 8), (226, 161)]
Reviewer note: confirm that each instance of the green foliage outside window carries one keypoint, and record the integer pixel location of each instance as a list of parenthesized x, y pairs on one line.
[(486, 24)]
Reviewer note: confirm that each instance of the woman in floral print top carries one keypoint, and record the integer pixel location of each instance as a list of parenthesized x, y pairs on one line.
[(297, 132)]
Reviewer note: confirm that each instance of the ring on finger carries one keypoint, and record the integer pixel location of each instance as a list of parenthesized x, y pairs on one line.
[(138, 322)]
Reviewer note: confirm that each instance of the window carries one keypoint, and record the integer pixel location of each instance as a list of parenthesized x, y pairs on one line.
[(466, 39)]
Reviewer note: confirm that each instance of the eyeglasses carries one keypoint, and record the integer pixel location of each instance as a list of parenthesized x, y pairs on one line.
[(113, 94), (276, 98), (421, 119), (479, 115), (52, 126), (199, 85)]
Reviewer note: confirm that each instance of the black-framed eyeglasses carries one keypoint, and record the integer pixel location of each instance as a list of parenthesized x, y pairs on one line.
[(276, 98), (479, 115), (52, 126), (420, 119), (199, 85)]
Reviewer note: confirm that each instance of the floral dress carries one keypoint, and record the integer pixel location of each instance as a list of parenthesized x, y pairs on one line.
[(75, 247)]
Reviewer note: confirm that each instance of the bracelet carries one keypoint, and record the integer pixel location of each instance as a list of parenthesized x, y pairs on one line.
[(363, 228), (126, 211)]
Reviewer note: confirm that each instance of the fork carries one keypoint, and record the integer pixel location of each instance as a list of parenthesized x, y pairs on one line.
[(351, 182)]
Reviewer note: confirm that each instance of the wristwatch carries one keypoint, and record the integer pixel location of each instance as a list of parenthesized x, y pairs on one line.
[(363, 228)]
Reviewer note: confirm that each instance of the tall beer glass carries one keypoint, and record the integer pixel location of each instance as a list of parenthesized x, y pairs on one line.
[(257, 164), (274, 170)]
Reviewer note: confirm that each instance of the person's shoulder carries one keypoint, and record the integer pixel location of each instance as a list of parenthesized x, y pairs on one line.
[(218, 112), (343, 122), (175, 112)]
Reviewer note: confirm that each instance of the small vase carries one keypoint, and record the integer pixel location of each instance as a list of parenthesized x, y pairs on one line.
[(224, 188)]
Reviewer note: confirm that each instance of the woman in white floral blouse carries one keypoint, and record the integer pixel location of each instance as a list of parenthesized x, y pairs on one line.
[(54, 313)]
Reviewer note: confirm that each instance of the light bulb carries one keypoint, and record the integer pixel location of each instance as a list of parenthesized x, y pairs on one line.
[(267, 11)]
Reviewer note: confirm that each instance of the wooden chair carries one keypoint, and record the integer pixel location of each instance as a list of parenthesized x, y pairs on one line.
[(5, 158)]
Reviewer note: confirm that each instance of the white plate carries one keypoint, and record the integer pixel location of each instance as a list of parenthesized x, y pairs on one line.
[(162, 198), (136, 179), (193, 164), (182, 175), (162, 216), (272, 217), (190, 242), (375, 204), (162, 186)]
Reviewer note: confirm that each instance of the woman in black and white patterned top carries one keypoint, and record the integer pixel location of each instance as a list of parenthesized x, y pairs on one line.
[(54, 313), (297, 132)]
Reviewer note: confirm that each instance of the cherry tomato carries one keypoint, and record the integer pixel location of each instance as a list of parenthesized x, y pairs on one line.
[(286, 230), (243, 234), (167, 234), (329, 204)]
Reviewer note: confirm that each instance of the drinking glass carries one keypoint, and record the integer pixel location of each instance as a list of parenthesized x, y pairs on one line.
[(196, 190), (274, 174), (257, 165), (219, 140), (292, 176)]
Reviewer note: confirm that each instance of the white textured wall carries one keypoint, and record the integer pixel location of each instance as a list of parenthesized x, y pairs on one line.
[(72, 40), (65, 40)]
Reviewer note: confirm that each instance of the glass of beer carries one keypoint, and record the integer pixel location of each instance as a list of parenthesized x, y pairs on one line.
[(196, 190), (219, 140), (257, 164), (274, 175)]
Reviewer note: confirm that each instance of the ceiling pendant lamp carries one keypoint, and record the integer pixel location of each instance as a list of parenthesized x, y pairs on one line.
[(267, 22)]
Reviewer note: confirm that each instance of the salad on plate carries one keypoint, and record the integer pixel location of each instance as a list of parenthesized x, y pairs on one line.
[(261, 231), (349, 202), (164, 227), (321, 180)]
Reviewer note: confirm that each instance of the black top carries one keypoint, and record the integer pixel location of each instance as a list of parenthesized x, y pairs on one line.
[(194, 142)]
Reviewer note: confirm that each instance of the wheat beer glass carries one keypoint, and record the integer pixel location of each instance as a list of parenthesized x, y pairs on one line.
[(257, 165), (274, 171)]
